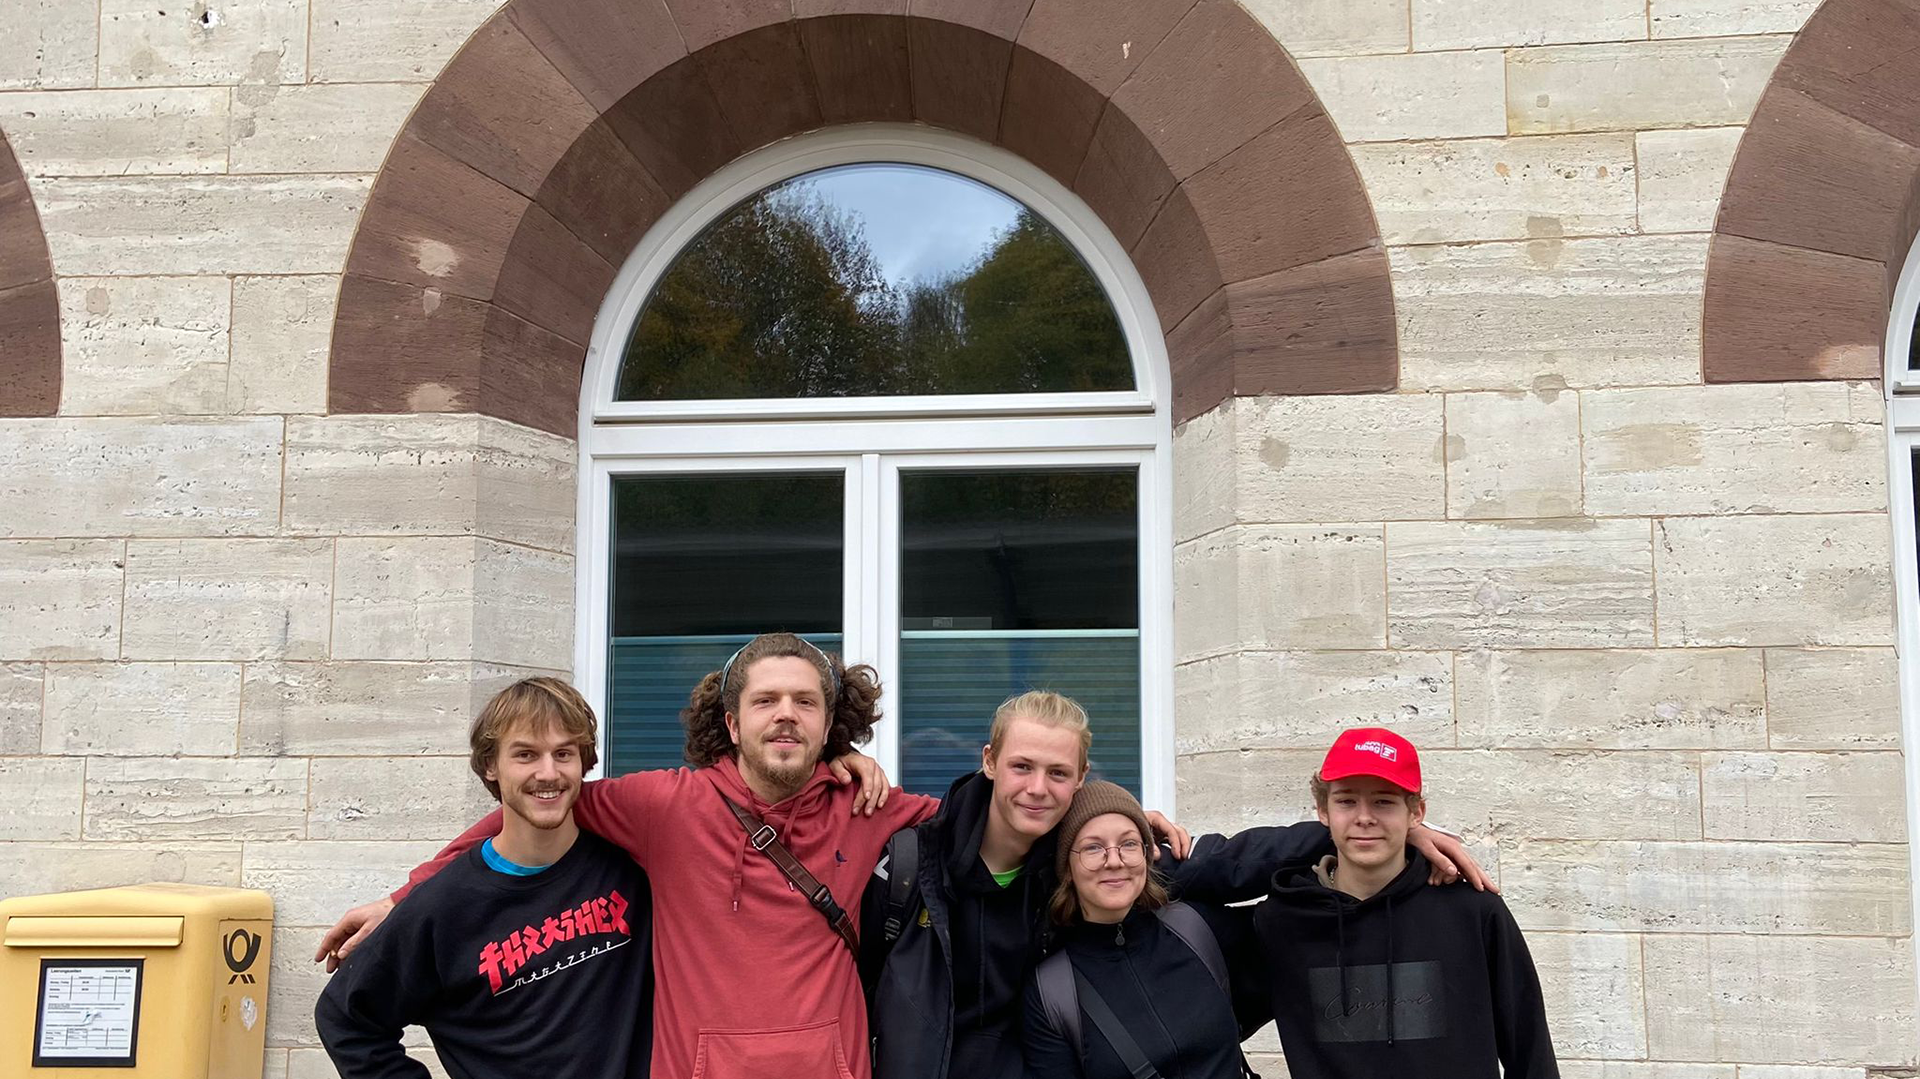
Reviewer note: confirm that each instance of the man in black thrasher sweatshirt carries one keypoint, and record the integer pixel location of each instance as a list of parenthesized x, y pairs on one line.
[(530, 956), (1373, 973)]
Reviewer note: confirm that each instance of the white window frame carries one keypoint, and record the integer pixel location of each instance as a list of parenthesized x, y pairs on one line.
[(1902, 389), (873, 439)]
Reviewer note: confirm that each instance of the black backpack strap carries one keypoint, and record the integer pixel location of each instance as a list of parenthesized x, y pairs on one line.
[(1059, 999), (1112, 1029), (1195, 933), (903, 871)]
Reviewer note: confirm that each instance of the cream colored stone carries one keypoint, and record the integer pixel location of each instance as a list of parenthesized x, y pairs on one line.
[(386, 798), (60, 599), (228, 599), (139, 477), (1548, 313), (189, 798), (1817, 1000), (201, 225), (117, 132), (1561, 795), (36, 868), (1230, 792), (142, 709), (144, 346), (282, 329), (1755, 888), (43, 796), (1709, 18), (1575, 584), (1480, 24), (1682, 173), (49, 43), (1637, 85), (1665, 698), (315, 1064), (313, 883), (1833, 698), (361, 709), (321, 128), (433, 598), (1300, 700), (391, 40), (22, 685), (1500, 189), (144, 44), (1790, 1071), (1753, 448), (1442, 95), (1630, 1069), (1592, 984), (1205, 472), (1297, 457), (1774, 580), (457, 475), (523, 614), (1279, 587), (1513, 454), (1834, 797), (1334, 27), (274, 1066)]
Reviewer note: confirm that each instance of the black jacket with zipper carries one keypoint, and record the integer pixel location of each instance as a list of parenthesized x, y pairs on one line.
[(945, 999), (1415, 981)]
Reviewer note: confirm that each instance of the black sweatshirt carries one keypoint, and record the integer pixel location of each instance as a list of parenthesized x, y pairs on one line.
[(1465, 998), (513, 977)]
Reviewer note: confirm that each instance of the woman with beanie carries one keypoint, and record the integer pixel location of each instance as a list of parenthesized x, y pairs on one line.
[(1136, 980)]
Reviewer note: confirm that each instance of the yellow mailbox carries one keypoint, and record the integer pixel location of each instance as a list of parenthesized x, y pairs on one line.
[(150, 981)]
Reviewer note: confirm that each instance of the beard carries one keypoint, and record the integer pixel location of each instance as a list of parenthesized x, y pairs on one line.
[(789, 775)]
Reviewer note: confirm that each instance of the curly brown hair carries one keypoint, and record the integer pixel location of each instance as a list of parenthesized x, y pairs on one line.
[(853, 698)]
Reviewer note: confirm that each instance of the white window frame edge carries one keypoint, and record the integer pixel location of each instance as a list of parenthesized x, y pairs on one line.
[(1903, 440), (767, 435)]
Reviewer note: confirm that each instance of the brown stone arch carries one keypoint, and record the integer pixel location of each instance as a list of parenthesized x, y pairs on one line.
[(1821, 205), (564, 128), (29, 301)]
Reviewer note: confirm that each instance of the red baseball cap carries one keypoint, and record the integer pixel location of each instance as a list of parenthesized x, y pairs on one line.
[(1373, 751)]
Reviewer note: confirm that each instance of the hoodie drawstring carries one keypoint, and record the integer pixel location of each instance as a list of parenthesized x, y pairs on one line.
[(1340, 953), (1393, 1006)]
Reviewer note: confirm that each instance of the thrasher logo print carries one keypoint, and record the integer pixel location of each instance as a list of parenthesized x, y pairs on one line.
[(566, 939), (1419, 1003)]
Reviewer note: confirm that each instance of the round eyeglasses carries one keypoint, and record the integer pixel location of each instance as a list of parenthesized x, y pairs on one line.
[(1094, 855)]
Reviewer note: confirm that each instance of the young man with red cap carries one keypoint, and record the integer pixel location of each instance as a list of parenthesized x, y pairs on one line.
[(1374, 973)]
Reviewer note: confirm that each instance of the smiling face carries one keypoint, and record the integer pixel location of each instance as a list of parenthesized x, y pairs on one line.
[(538, 772), (1034, 776), (1109, 867), (1369, 818), (781, 725)]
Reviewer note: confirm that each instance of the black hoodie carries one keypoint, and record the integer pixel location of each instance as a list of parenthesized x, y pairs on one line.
[(1466, 1001)]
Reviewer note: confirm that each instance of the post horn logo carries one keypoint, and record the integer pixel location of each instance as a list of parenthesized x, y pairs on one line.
[(240, 961)]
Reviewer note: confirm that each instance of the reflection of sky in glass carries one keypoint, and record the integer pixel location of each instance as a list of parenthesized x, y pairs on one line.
[(919, 222)]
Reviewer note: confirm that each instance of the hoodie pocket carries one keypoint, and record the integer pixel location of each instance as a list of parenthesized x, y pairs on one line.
[(813, 1049)]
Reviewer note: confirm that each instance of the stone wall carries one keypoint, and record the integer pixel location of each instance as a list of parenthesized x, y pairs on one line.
[(1643, 626)]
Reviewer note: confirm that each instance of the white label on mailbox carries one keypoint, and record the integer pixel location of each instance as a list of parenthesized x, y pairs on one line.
[(88, 1011)]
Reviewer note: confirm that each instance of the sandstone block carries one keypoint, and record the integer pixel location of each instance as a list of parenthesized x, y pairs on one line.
[(361, 709), (313, 883), (1296, 457), (142, 477), (1448, 95), (1759, 888), (228, 599), (1228, 792), (1592, 983), (1205, 472), (1637, 85), (1279, 587), (282, 328), (393, 41), (1334, 27), (1682, 173), (117, 132), (1833, 797), (524, 613), (1560, 795), (144, 346), (43, 796), (201, 225), (189, 798), (1709, 18), (260, 41), (1301, 700), (318, 128), (387, 798), (51, 43), (60, 599), (453, 598), (1665, 698), (1774, 580), (1513, 454), (1723, 996), (1456, 24), (21, 687), (1500, 189), (1754, 448), (1550, 313), (142, 709), (1833, 698), (1794, 1071), (1577, 584), (34, 868), (1628, 1069)]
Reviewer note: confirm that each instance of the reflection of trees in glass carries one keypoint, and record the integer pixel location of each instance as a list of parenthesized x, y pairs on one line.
[(782, 297)]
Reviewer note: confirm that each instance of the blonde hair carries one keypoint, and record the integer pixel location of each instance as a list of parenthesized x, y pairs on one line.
[(543, 704), (1046, 708), (1321, 789)]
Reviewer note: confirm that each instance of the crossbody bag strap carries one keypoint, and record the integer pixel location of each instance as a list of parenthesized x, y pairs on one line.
[(1112, 1029), (765, 839)]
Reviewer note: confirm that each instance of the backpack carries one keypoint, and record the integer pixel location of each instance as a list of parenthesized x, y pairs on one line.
[(1064, 992), (901, 870)]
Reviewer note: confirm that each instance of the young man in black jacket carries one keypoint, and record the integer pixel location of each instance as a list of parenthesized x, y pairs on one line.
[(530, 954)]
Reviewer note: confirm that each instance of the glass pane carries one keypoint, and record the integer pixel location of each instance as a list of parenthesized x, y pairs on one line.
[(871, 281), (1010, 581), (700, 565)]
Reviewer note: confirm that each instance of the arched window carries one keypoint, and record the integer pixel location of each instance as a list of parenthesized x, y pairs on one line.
[(900, 392), (1903, 493)]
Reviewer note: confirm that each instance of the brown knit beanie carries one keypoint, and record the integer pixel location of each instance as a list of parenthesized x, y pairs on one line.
[(1097, 797)]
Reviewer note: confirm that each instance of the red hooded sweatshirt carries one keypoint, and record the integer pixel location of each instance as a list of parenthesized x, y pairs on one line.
[(752, 983)]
